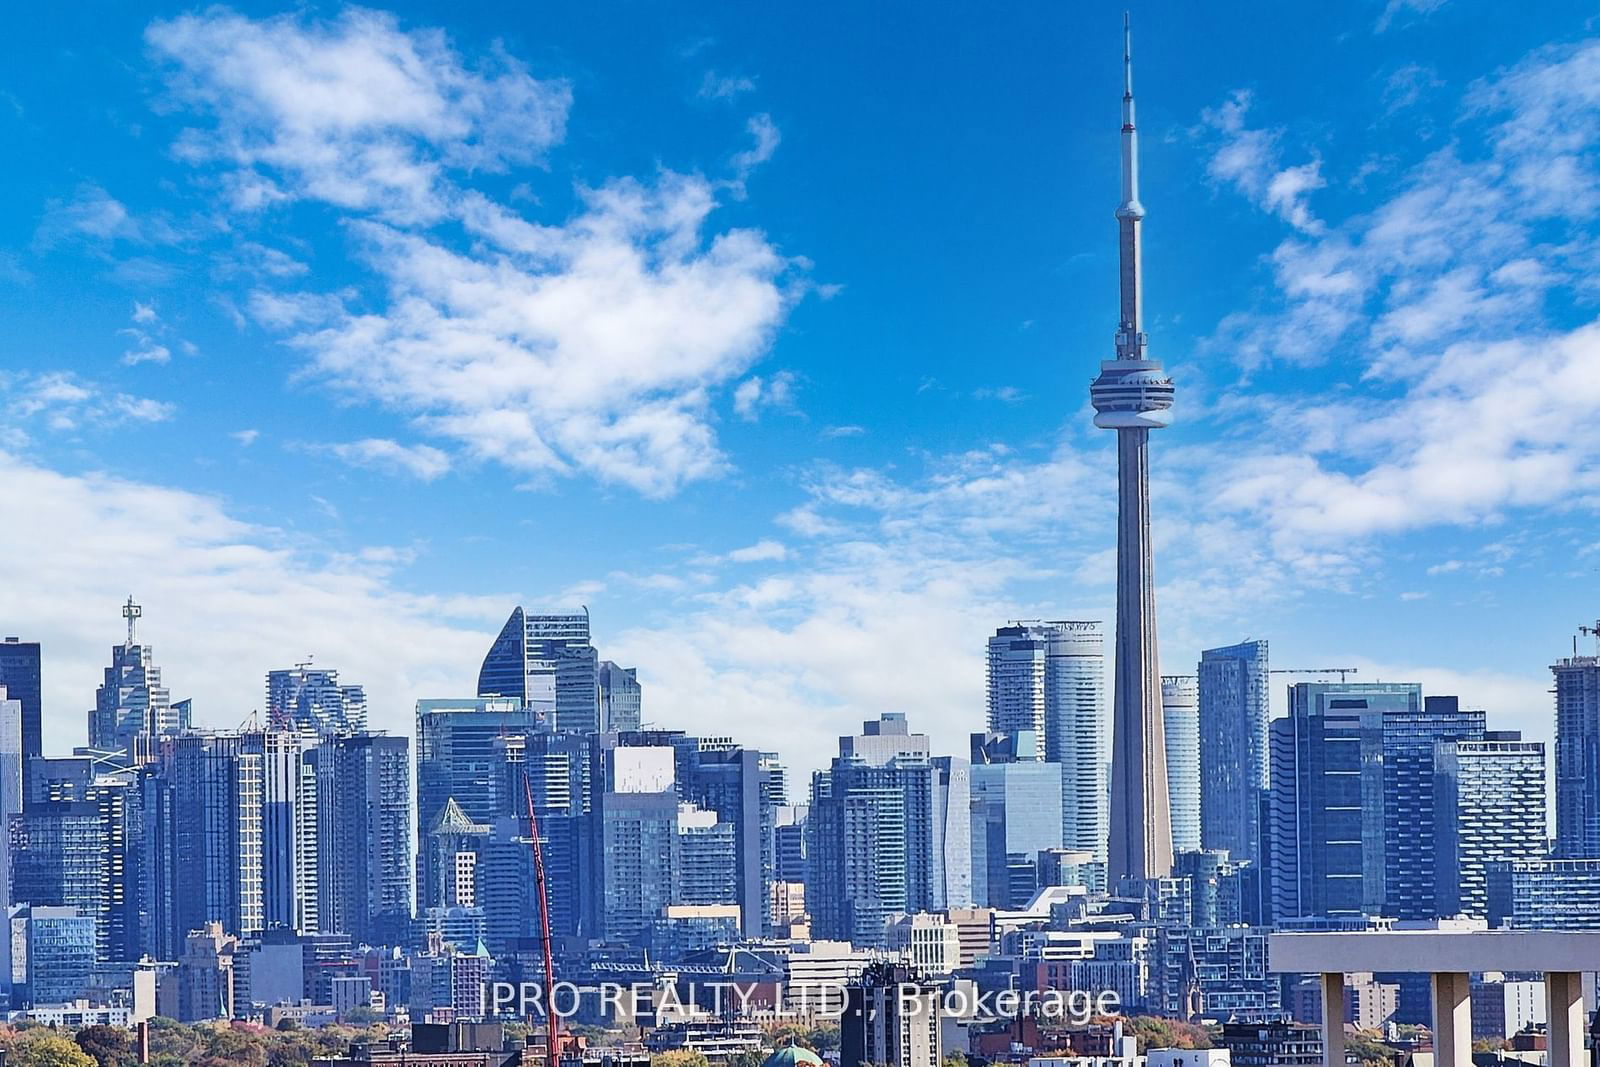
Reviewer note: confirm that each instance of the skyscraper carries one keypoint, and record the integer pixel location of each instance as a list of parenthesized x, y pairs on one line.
[(1234, 710), (312, 699), (620, 697), (1577, 756), (12, 757), (1047, 679), (638, 827), (1181, 725), (132, 708), (1013, 820), (548, 663), (364, 833), (870, 833), (21, 677), (1410, 742), (1133, 396), (457, 759), (735, 783), (1489, 806), (205, 797), (1351, 810)]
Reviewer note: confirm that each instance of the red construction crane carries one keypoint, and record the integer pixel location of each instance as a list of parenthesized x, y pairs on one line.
[(552, 1037)]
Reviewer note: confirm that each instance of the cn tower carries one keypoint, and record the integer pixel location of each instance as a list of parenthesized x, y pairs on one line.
[(1133, 396)]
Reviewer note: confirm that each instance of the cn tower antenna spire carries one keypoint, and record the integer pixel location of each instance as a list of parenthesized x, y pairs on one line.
[(1133, 396)]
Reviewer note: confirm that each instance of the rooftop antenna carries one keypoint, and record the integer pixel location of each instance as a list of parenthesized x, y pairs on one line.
[(131, 612)]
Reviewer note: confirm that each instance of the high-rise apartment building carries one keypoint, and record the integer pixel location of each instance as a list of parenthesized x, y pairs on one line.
[(1489, 805), (1181, 727), (891, 1019), (1577, 756), (364, 836), (1410, 744), (548, 663), (706, 859), (21, 676), (1558, 894), (1234, 710), (313, 700), (1047, 680), (870, 837), (638, 831), (739, 785)]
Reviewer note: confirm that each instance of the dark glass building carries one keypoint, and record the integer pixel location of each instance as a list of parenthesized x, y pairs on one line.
[(20, 676)]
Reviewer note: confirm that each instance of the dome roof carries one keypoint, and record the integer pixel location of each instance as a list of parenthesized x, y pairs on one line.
[(793, 1056)]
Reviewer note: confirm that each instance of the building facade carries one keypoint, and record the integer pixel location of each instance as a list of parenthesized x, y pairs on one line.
[(1577, 756), (1234, 709), (548, 663), (1490, 805), (1181, 726), (1047, 680)]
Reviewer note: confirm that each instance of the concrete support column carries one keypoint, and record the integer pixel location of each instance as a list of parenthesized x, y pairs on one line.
[(1333, 1019), (1563, 993), (1452, 1020)]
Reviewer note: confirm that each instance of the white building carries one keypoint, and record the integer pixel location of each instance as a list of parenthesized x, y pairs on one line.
[(929, 943)]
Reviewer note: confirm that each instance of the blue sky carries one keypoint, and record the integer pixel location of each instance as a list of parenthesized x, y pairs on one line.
[(765, 332)]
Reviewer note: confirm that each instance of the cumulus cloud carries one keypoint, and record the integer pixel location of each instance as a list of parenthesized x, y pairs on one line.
[(355, 112), (224, 601), (594, 344)]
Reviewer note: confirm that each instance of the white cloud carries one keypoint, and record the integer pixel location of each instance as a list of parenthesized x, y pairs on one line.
[(590, 346), (1395, 8), (755, 394), (766, 136), (93, 213), (224, 601), (594, 345), (419, 461), (147, 336), (1249, 160), (246, 438), (716, 86), (1468, 403), (355, 112), (65, 403), (761, 551), (833, 432)]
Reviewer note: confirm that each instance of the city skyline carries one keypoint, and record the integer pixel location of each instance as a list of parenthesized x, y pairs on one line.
[(772, 582)]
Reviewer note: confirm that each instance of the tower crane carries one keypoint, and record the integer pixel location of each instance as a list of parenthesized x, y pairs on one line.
[(1342, 672), (552, 1038)]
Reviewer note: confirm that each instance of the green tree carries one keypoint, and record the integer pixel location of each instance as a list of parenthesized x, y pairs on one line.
[(228, 1045), (108, 1046), (1367, 1047), (680, 1057), (40, 1047), (954, 1059)]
